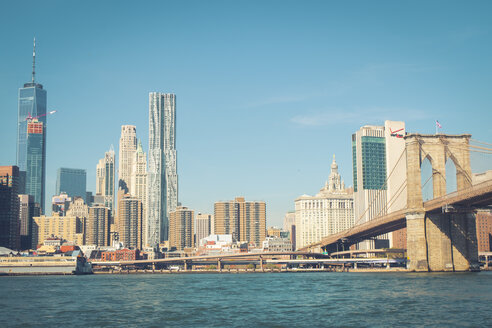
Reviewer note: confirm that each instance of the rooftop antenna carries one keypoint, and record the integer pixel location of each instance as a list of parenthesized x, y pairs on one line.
[(33, 59)]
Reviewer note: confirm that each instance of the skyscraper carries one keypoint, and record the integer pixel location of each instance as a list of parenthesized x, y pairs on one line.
[(245, 221), (32, 104), (139, 185), (128, 147), (181, 228), (129, 222), (162, 196), (72, 182), (379, 174), (36, 161), (9, 207), (105, 178), (27, 211), (203, 226), (97, 226)]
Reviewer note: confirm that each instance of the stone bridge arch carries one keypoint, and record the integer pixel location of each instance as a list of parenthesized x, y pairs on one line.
[(439, 241), (438, 148)]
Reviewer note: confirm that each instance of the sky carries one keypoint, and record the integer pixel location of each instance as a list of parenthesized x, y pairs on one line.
[(266, 91)]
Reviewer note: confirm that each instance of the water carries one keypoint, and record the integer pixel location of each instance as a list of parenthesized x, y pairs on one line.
[(248, 300)]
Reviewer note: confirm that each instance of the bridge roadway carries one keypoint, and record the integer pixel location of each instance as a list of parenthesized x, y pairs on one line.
[(476, 196), (204, 258)]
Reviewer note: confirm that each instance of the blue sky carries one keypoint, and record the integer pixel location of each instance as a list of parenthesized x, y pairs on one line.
[(267, 91)]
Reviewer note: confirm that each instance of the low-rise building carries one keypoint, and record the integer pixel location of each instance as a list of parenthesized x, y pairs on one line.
[(121, 255), (277, 244), (484, 230)]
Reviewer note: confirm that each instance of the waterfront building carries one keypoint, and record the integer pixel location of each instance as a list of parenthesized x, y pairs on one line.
[(379, 174), (121, 255), (27, 210), (72, 182), (181, 228), (60, 204), (128, 147), (329, 212), (277, 244), (139, 185), (105, 174), (9, 207), (245, 221), (484, 230), (32, 104), (97, 226), (69, 228), (36, 161), (290, 226), (203, 225), (129, 221), (162, 195)]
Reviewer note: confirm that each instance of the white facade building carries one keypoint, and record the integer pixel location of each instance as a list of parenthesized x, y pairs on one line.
[(162, 195), (329, 212), (139, 185), (277, 244)]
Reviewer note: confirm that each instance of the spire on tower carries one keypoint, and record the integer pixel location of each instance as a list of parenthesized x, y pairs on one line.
[(33, 59)]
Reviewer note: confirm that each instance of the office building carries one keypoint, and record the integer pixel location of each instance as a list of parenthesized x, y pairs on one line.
[(379, 173), (245, 221), (277, 244), (105, 175), (97, 226), (72, 182), (181, 228), (139, 185), (9, 207), (329, 212), (36, 161), (128, 147), (60, 204), (290, 226), (129, 221), (203, 226), (32, 105), (27, 211), (162, 195), (69, 228)]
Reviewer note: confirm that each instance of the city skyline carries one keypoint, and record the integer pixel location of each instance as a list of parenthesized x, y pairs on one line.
[(280, 102)]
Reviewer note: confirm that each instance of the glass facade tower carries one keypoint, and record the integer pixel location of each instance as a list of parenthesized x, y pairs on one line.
[(162, 173), (72, 182), (32, 106), (36, 161)]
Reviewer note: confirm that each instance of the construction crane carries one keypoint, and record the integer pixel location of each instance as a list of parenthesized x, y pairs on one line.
[(29, 117)]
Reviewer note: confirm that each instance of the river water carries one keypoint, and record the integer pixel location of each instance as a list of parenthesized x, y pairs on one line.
[(325, 299)]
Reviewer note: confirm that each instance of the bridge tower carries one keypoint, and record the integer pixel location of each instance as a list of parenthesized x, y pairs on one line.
[(447, 240)]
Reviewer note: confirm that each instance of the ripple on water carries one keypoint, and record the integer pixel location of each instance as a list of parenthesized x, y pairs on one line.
[(248, 300)]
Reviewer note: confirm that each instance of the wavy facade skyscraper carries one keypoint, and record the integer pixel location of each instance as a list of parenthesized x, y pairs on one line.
[(162, 173)]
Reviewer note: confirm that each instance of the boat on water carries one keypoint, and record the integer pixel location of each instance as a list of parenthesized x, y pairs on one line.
[(44, 265)]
